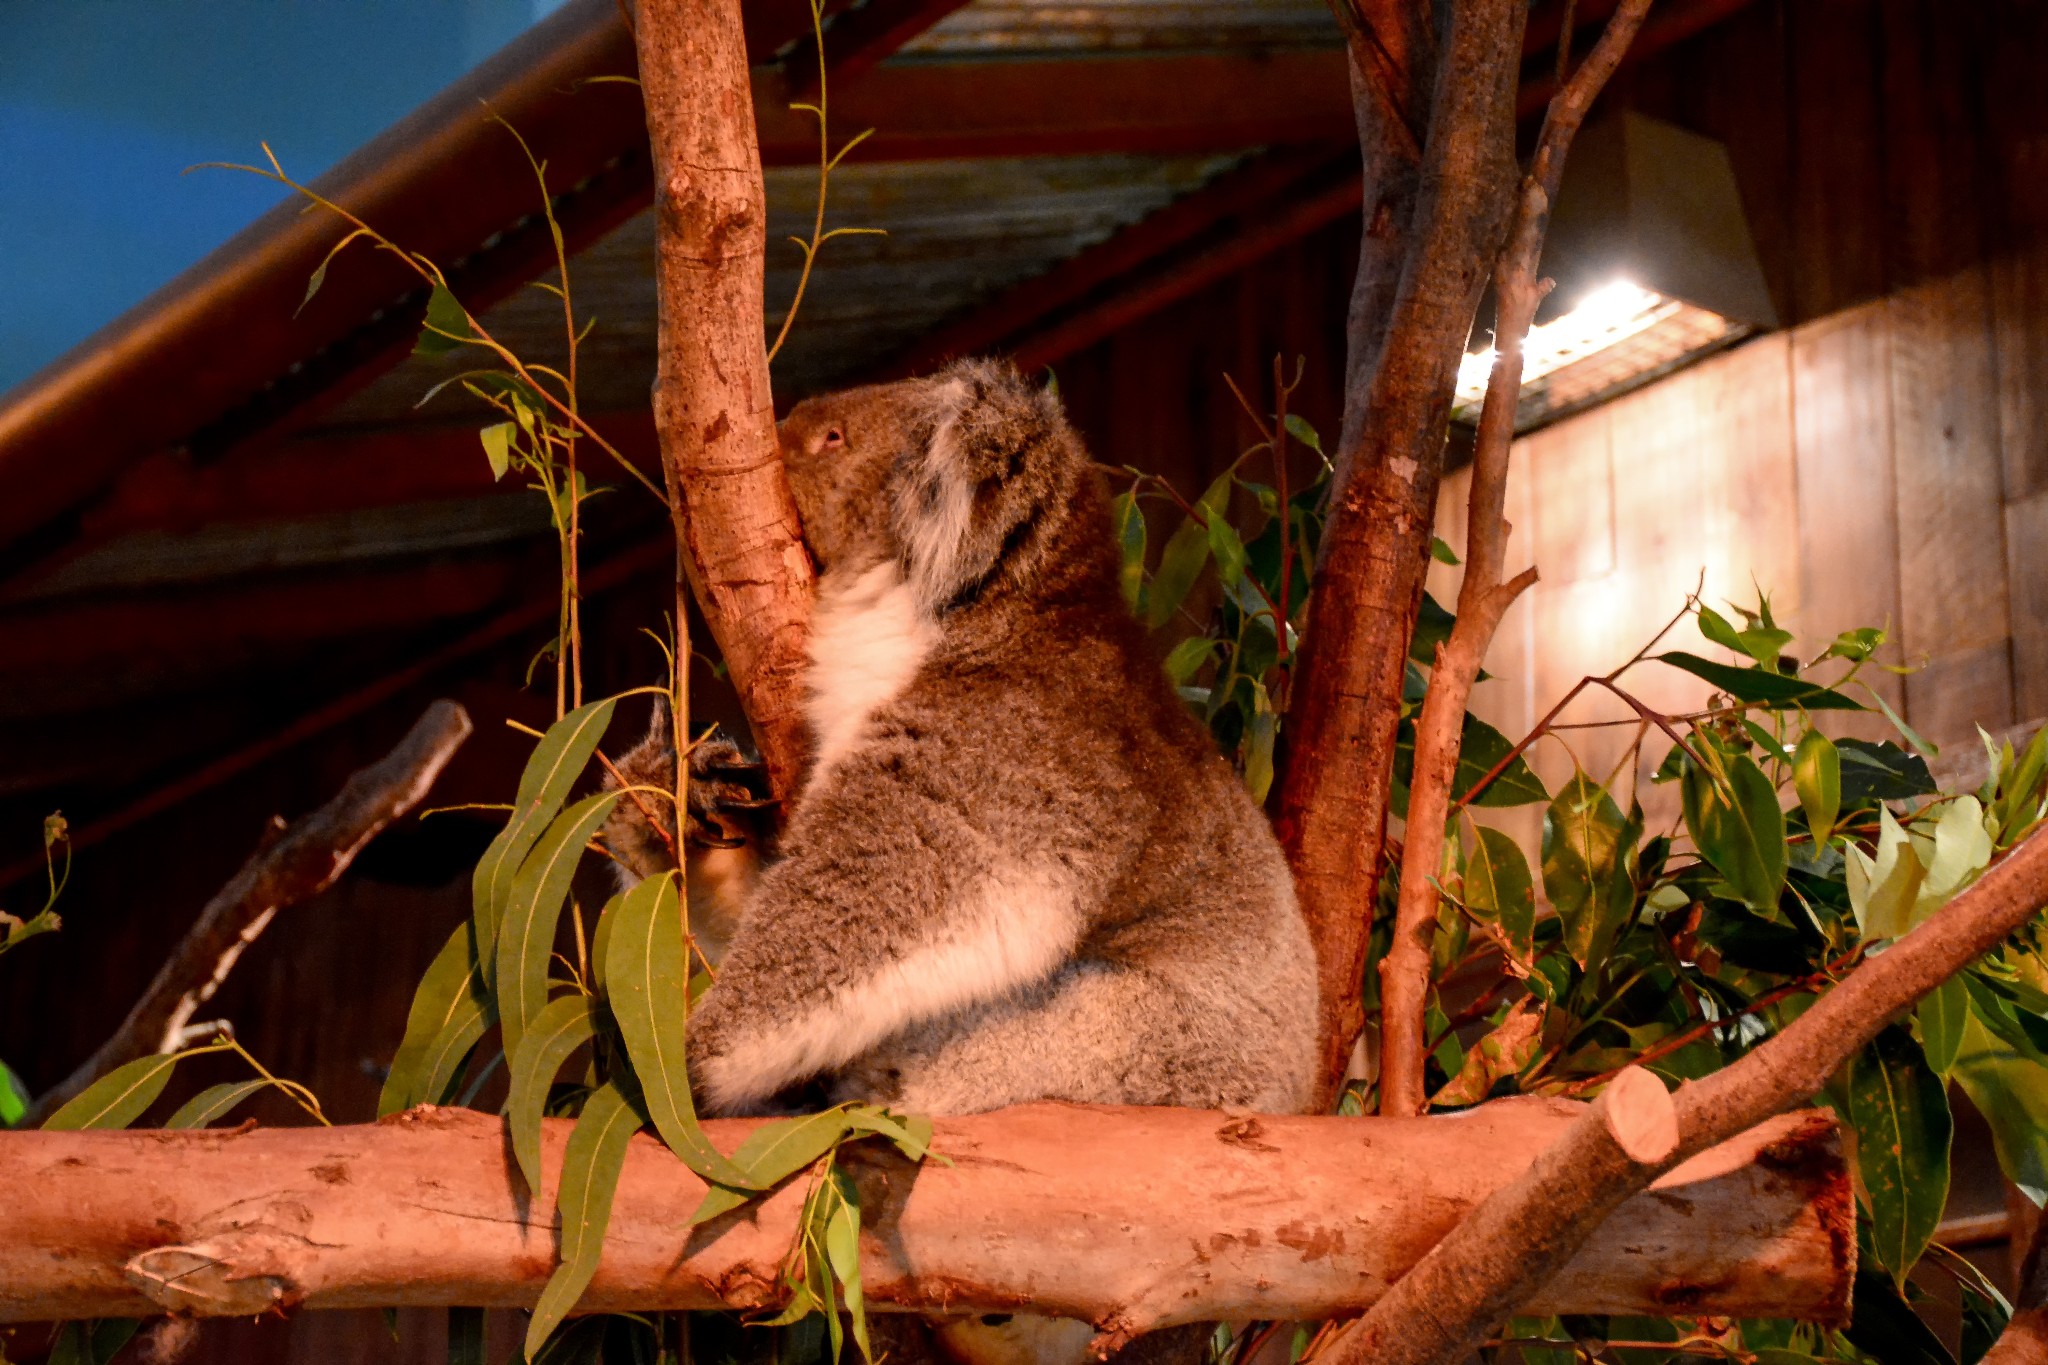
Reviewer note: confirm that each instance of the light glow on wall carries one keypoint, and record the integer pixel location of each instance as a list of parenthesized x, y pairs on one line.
[(1617, 337)]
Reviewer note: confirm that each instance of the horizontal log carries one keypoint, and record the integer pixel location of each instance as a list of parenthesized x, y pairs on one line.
[(1130, 1218)]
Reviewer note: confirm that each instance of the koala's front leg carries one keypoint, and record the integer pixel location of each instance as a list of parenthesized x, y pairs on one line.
[(722, 839), (890, 906)]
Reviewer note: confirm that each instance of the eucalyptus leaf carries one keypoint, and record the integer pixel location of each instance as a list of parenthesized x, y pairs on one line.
[(646, 974), (1187, 550), (526, 939), (591, 1163), (453, 984), (553, 767), (212, 1102), (118, 1098), (446, 326), (1881, 771), (1898, 1106), (2010, 1090), (497, 441), (566, 1024), (1185, 659), (1130, 539)]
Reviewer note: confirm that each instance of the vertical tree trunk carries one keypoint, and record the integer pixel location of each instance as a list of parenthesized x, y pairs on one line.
[(740, 546), (1334, 793)]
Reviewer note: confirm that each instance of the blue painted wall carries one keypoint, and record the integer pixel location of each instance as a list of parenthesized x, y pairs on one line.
[(103, 103)]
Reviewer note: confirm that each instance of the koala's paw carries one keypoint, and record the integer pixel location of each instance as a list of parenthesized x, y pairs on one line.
[(728, 794)]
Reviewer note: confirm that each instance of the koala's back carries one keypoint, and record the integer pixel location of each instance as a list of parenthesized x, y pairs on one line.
[(1056, 760)]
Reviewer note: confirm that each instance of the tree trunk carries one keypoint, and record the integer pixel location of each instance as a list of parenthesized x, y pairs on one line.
[(1346, 708), (740, 545), (1130, 1218)]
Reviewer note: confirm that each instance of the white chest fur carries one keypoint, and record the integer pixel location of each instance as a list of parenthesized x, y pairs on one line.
[(868, 638)]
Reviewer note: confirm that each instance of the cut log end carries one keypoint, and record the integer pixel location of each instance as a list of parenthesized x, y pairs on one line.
[(1640, 1116)]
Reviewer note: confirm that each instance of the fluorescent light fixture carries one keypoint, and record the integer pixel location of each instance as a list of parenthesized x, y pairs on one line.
[(1654, 265), (1616, 337)]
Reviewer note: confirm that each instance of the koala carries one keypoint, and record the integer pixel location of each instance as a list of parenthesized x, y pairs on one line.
[(1018, 869)]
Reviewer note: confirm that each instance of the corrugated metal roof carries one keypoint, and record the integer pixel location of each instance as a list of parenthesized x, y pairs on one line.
[(956, 233), (1033, 28)]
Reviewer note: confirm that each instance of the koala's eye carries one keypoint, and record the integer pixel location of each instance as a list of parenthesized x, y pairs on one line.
[(834, 438)]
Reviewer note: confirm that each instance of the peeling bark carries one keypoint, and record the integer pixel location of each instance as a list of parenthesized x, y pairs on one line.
[(1132, 1219), (739, 543)]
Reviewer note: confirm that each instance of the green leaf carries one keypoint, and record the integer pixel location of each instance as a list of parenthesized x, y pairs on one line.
[(1187, 550), (212, 1102), (1498, 888), (91, 1343), (565, 1025), (555, 764), (1258, 754), (527, 938), (1881, 772), (1883, 890), (118, 1098), (1854, 645), (1480, 747), (1942, 1015), (1441, 551), (1759, 687), (646, 975), (1300, 430), (771, 1154), (442, 1062), (591, 1164), (842, 1252), (1228, 548), (1585, 866), (498, 447), (1130, 539), (14, 1097), (1913, 737), (1432, 627), (1899, 1109), (446, 326), (1817, 777), (1739, 830), (1187, 657), (452, 985), (1716, 630), (1885, 1326), (2011, 1091)]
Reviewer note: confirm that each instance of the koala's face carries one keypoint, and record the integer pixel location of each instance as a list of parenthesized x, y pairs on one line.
[(840, 450)]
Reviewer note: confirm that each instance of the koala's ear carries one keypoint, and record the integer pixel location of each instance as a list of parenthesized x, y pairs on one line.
[(971, 476)]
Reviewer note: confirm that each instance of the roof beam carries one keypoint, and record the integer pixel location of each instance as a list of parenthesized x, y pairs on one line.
[(1158, 105)]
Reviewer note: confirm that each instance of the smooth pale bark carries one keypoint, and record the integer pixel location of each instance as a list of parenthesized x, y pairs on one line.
[(741, 547), (294, 863), (1129, 1218)]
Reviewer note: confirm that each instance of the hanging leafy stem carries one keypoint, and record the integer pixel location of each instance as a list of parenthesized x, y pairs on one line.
[(828, 161)]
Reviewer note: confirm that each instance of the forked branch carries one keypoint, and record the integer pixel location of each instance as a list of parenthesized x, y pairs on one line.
[(1484, 598)]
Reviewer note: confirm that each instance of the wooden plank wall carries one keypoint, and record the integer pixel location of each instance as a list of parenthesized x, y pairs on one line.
[(1852, 468)]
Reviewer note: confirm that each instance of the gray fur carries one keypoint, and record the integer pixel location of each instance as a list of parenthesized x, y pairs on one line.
[(1023, 872)]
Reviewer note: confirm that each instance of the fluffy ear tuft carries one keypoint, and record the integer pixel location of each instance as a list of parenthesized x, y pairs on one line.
[(966, 494)]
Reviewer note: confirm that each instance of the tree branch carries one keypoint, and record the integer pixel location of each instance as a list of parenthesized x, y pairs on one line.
[(1236, 1218), (1469, 1278), (1423, 266), (739, 543), (292, 866), (2025, 1339), (1483, 598)]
